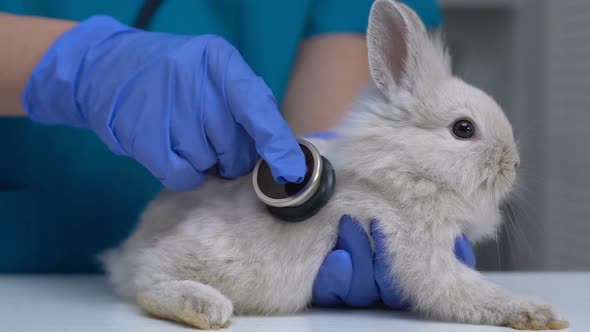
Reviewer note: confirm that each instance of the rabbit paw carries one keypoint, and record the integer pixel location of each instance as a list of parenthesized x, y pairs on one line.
[(532, 315), (211, 314), (188, 302)]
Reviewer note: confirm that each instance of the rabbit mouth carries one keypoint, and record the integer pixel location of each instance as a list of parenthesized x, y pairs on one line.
[(498, 185), (509, 162), (505, 176), (502, 174)]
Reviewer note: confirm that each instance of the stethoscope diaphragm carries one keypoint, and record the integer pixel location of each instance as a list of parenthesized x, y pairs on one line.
[(294, 202)]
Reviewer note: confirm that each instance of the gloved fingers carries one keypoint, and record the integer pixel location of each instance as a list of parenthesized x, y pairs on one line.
[(464, 251), (353, 238), (241, 159), (152, 129), (174, 171), (385, 278), (184, 177), (169, 166), (254, 107), (234, 148), (333, 280)]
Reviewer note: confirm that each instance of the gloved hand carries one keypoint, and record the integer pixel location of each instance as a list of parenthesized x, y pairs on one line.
[(179, 105), (353, 275)]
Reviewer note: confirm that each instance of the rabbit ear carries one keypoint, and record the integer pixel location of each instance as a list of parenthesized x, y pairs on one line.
[(401, 54)]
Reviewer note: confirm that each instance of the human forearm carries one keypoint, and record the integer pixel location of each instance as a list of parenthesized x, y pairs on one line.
[(329, 73), (24, 40)]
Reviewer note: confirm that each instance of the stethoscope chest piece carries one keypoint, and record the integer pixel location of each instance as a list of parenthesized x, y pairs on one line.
[(293, 202)]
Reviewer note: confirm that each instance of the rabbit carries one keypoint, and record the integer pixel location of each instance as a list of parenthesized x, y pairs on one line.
[(427, 154)]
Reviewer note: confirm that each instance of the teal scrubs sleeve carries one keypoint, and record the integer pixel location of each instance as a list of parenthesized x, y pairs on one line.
[(337, 16)]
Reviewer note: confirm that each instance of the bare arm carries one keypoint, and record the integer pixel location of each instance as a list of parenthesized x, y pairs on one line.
[(328, 74), (24, 40)]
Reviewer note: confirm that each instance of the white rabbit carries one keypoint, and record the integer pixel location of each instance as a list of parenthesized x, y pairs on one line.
[(427, 154)]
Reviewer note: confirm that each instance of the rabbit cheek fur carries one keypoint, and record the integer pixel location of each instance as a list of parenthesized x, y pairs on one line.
[(197, 257)]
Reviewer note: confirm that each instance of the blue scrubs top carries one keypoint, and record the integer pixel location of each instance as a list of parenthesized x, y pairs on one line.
[(64, 197)]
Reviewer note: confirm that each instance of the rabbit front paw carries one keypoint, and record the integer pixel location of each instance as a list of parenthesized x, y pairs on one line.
[(528, 314)]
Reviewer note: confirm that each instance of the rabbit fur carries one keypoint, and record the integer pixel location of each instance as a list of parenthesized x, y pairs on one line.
[(198, 257)]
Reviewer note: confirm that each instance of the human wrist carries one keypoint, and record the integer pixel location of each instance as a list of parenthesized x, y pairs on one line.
[(50, 94), (24, 40)]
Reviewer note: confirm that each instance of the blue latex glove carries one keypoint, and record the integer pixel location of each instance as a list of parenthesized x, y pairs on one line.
[(179, 105), (352, 275)]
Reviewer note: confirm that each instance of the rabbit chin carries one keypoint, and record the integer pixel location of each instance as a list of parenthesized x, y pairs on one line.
[(496, 185), (485, 201), (502, 184)]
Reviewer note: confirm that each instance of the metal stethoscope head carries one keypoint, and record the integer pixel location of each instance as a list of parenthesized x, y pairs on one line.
[(294, 202)]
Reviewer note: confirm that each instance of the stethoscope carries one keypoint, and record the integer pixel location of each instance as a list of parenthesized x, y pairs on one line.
[(288, 202), (296, 202), (147, 11)]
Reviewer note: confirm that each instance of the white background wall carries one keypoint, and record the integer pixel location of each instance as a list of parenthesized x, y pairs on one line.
[(533, 56)]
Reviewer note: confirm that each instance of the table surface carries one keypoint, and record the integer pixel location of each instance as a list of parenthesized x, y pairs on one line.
[(87, 303)]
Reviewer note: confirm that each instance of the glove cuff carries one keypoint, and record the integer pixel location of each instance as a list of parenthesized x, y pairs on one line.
[(464, 251), (49, 96)]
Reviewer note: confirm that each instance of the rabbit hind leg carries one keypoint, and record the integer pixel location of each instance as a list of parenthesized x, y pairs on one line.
[(186, 302)]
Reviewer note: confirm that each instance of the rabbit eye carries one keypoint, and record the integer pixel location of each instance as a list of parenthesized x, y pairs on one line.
[(463, 129)]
